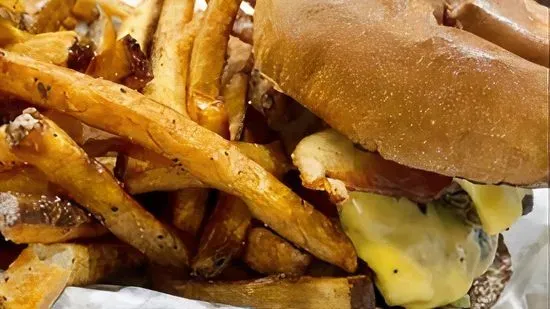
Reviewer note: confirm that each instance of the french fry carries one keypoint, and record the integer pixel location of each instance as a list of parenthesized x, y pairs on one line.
[(25, 179), (87, 9), (36, 16), (171, 53), (141, 23), (206, 67), (274, 292), (223, 236), (52, 47), (234, 93), (269, 156), (121, 61), (41, 272), (10, 34), (207, 156), (70, 125), (269, 254), (28, 218), (188, 208), (43, 144), (159, 179), (147, 172)]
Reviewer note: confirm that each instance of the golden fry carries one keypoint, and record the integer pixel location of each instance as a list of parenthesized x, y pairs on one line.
[(41, 272), (38, 16), (209, 157), (269, 254), (223, 237), (141, 24), (188, 208), (159, 179), (43, 144), (87, 9), (206, 67), (52, 47), (277, 293), (25, 179), (234, 93), (171, 52), (122, 60), (30, 218)]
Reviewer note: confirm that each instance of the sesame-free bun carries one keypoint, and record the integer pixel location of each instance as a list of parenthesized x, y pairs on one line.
[(392, 78)]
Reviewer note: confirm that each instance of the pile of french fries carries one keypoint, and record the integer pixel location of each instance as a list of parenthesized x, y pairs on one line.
[(103, 104)]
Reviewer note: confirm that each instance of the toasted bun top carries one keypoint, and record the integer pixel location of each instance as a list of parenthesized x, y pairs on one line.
[(387, 75)]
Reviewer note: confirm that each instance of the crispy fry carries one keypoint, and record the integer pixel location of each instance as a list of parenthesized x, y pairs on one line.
[(269, 254), (274, 292), (39, 141), (28, 218), (38, 16), (206, 68), (52, 47), (87, 9), (141, 23), (270, 156), (159, 179), (171, 53), (147, 172), (122, 60), (41, 272), (188, 208), (70, 125), (234, 93), (25, 179), (223, 237), (10, 34), (207, 156)]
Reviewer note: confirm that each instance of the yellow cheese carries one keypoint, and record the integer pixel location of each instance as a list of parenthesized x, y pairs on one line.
[(498, 207), (421, 260)]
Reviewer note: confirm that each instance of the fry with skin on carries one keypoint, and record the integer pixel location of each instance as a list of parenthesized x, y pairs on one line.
[(141, 24), (36, 16), (270, 254), (234, 93), (223, 236), (147, 171), (87, 9), (278, 293), (42, 143), (25, 179), (206, 155), (188, 208), (206, 68), (41, 272), (32, 218), (122, 60), (171, 53), (52, 47)]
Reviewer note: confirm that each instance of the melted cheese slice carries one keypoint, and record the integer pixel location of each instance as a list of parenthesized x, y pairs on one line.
[(498, 207), (421, 260)]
